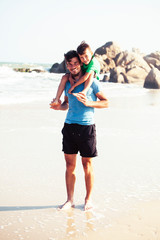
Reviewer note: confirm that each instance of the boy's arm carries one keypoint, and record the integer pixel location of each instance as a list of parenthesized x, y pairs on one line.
[(81, 80), (61, 86)]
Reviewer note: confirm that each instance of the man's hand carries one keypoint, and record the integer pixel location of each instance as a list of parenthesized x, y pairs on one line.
[(55, 106), (82, 98)]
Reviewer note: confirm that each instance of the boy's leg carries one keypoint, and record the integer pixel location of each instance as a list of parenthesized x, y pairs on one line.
[(60, 90), (87, 85)]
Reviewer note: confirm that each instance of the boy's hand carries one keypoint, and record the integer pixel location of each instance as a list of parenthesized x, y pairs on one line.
[(70, 90)]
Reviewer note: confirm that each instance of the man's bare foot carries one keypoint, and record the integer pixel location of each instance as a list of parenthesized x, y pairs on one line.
[(88, 205), (67, 205)]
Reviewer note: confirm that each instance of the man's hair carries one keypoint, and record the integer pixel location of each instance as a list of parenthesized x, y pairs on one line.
[(71, 54), (82, 48)]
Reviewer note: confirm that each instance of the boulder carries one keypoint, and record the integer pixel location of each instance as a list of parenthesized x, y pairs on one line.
[(118, 75), (136, 74), (153, 79), (110, 49), (105, 63), (153, 59), (155, 55), (106, 55), (136, 68), (29, 70), (59, 68), (131, 59)]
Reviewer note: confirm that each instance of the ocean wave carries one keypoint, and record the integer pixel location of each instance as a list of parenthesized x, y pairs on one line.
[(21, 87)]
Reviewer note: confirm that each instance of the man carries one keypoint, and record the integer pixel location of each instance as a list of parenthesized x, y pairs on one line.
[(79, 133)]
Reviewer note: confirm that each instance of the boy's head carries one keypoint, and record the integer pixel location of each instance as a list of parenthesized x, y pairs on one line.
[(85, 53), (73, 62)]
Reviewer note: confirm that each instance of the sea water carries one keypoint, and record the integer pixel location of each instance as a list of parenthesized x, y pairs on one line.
[(22, 87)]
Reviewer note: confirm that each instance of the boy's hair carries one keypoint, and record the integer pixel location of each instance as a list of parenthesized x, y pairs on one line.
[(71, 54), (82, 48)]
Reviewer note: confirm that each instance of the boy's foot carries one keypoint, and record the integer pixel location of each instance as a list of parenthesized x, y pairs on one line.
[(67, 205), (84, 92), (54, 103), (75, 94), (88, 205)]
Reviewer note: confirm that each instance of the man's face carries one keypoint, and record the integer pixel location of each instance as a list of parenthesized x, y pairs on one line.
[(74, 66), (86, 57)]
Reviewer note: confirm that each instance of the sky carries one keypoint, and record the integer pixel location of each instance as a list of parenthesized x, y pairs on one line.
[(41, 31)]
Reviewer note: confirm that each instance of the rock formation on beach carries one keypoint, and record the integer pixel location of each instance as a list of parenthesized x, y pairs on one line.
[(124, 66), (29, 70)]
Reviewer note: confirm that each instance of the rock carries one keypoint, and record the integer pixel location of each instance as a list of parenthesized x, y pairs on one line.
[(110, 49), (28, 70), (131, 60), (22, 69), (136, 74), (105, 78), (105, 64), (153, 59), (106, 55), (59, 68), (37, 70), (155, 55), (136, 68), (153, 79), (118, 75)]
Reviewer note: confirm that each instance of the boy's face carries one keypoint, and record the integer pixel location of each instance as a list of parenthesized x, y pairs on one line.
[(74, 66), (86, 57)]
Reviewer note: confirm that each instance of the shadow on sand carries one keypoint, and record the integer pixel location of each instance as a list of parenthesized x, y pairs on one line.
[(23, 208), (20, 208)]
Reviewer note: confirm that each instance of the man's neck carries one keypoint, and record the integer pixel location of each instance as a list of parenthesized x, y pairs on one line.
[(78, 76)]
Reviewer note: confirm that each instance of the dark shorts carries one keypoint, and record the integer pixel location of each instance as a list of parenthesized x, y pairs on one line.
[(79, 138)]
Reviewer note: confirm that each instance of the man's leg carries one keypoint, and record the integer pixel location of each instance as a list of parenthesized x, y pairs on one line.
[(70, 179), (89, 179)]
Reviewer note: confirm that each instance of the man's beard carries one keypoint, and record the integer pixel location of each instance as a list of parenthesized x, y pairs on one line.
[(75, 75)]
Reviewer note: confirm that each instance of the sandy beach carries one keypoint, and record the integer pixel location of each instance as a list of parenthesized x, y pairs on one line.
[(126, 191)]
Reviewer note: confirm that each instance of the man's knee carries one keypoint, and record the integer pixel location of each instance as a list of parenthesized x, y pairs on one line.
[(70, 166), (87, 163), (70, 162)]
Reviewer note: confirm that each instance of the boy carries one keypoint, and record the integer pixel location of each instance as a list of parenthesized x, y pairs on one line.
[(90, 68)]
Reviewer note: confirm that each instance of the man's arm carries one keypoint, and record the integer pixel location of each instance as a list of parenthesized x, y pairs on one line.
[(60, 106), (102, 103)]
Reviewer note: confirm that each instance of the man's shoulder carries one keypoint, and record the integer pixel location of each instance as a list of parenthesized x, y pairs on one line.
[(95, 81), (96, 84)]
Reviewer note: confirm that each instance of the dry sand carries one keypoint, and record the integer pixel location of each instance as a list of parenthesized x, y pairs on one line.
[(126, 191)]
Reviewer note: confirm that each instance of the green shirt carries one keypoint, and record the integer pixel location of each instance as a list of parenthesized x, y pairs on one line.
[(92, 66)]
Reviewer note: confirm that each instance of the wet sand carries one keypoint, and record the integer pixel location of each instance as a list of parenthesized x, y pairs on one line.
[(126, 191)]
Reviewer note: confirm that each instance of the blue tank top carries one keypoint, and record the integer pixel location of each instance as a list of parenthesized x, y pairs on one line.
[(78, 113)]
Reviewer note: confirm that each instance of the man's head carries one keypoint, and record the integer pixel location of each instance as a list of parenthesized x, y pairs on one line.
[(73, 62), (85, 53)]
